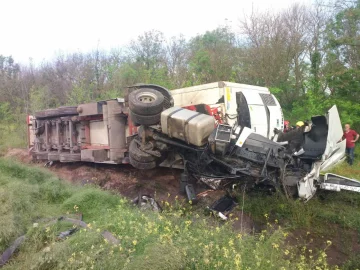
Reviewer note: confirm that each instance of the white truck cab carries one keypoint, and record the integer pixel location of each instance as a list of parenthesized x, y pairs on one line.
[(245, 105)]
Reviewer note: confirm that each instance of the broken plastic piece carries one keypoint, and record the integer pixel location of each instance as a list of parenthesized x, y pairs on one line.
[(48, 164), (300, 152), (211, 182), (147, 202), (67, 233), (222, 216), (184, 180), (9, 251), (223, 206), (190, 193)]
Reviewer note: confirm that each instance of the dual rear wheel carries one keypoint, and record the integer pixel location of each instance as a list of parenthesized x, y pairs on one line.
[(145, 106)]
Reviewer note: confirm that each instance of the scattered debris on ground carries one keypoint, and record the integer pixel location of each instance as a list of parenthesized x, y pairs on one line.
[(146, 202), (10, 251), (7, 254), (223, 207), (66, 233)]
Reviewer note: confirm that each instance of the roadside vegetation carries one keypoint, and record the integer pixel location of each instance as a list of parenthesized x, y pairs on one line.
[(180, 237), (329, 215)]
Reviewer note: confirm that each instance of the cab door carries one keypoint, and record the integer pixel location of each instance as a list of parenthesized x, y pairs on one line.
[(258, 114), (335, 147), (275, 114)]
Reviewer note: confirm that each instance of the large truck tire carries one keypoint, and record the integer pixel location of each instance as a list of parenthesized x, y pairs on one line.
[(147, 120), (138, 155), (168, 99), (146, 101), (168, 102), (47, 113), (62, 111), (142, 165), (40, 127)]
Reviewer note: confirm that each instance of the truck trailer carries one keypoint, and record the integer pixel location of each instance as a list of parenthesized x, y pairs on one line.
[(217, 133)]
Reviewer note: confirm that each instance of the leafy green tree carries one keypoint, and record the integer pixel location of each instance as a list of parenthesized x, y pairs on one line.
[(343, 58), (79, 94), (213, 56), (40, 99), (147, 56), (177, 57), (6, 115)]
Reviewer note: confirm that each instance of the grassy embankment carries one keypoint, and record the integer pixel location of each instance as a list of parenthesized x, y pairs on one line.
[(179, 238), (13, 135), (328, 215)]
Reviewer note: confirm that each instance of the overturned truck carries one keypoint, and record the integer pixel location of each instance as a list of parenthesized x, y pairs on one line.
[(220, 133)]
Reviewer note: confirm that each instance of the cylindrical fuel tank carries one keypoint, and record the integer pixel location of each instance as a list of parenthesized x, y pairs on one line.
[(189, 126), (116, 126)]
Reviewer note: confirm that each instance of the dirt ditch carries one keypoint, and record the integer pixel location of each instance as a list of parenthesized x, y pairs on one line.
[(160, 183), (124, 179)]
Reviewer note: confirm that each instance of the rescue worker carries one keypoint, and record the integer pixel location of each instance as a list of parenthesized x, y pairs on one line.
[(295, 137), (351, 137), (287, 126)]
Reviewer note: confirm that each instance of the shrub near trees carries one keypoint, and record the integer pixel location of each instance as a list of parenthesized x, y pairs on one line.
[(309, 56)]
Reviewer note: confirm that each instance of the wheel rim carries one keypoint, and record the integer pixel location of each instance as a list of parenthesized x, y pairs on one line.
[(146, 97)]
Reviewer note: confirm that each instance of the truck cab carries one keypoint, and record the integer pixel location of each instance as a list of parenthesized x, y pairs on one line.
[(249, 106)]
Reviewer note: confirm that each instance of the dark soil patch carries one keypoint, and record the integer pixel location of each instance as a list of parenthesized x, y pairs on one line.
[(344, 243), (160, 183), (21, 154)]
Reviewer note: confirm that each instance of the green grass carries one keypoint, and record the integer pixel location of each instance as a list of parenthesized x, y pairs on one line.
[(334, 207), (13, 135), (178, 238), (328, 215), (350, 171)]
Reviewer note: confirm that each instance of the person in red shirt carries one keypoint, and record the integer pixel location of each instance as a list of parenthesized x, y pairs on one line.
[(351, 137)]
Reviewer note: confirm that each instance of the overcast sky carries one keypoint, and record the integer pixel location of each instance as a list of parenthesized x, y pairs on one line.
[(41, 28)]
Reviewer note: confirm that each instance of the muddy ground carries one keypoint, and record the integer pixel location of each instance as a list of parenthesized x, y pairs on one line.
[(123, 179), (163, 185)]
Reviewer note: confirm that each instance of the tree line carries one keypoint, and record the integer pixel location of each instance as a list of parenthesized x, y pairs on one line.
[(309, 56)]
